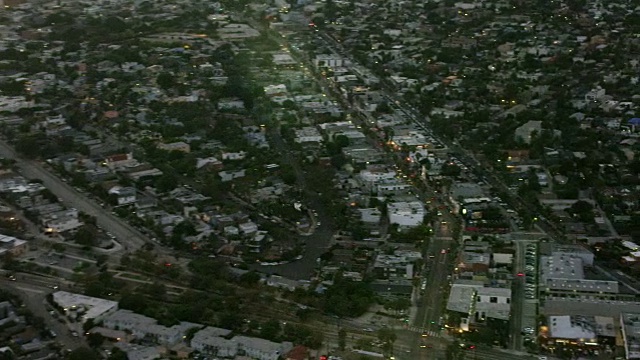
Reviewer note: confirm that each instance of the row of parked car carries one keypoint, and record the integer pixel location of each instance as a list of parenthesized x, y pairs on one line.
[(531, 284), (531, 272)]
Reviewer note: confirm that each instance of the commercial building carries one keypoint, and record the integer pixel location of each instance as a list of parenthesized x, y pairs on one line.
[(395, 266), (406, 214), (630, 325), (84, 307), (478, 301), (562, 276), (581, 329)]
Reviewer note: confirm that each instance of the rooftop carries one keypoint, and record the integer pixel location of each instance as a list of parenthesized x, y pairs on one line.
[(94, 306), (561, 266)]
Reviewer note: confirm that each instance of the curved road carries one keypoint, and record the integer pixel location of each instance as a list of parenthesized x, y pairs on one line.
[(315, 244), (126, 234)]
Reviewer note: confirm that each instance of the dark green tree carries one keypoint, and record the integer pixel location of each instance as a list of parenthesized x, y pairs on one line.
[(83, 353), (342, 339), (271, 330)]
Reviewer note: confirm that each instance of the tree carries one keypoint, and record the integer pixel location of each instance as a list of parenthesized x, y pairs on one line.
[(347, 298), (117, 354), (95, 340), (387, 336), (249, 279), (101, 260), (165, 80), (271, 330), (166, 182), (84, 236), (83, 353), (454, 351), (342, 339), (133, 302), (7, 355), (450, 169), (156, 290)]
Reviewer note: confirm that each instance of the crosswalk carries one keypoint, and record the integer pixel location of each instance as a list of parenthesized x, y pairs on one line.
[(430, 333)]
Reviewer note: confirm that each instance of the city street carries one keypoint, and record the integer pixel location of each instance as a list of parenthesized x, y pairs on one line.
[(33, 289), (125, 233)]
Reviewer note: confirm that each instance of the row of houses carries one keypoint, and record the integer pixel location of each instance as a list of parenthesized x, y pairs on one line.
[(127, 328)]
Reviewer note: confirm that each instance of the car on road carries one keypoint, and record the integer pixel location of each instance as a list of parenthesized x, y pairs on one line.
[(527, 330)]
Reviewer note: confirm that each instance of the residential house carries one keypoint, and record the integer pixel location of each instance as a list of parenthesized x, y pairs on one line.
[(143, 327), (116, 161), (61, 221), (228, 175), (526, 131), (123, 195), (12, 245), (175, 146)]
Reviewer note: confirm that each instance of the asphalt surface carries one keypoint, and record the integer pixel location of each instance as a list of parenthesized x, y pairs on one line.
[(318, 241), (517, 297), (125, 233), (33, 289)]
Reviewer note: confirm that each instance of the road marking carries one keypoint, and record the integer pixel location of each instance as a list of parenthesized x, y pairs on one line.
[(30, 290), (430, 333)]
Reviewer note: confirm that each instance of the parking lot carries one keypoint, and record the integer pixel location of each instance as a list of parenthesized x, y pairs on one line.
[(58, 260)]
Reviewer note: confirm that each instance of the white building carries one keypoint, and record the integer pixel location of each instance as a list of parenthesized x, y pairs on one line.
[(326, 60), (595, 94), (630, 324), (14, 103), (124, 195), (562, 275), (231, 174), (240, 155), (211, 341), (275, 90), (231, 104), (583, 329), (143, 327), (526, 131), (86, 306), (479, 302), (308, 134), (374, 175), (407, 214), (61, 221)]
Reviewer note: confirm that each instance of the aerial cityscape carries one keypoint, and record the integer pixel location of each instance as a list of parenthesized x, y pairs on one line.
[(319, 179)]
